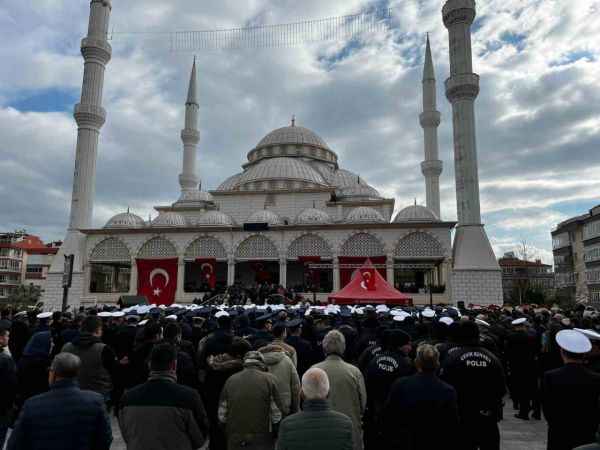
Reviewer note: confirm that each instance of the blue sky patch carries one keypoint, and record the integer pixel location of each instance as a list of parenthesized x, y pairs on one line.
[(47, 100), (573, 57)]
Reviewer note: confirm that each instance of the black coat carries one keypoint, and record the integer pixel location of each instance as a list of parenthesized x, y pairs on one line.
[(32, 372), (414, 404), (8, 384), (66, 418), (521, 353), (570, 403), (303, 352), (478, 377)]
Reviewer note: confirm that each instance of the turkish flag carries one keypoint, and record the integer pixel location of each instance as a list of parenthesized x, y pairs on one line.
[(157, 280), (368, 279), (207, 267)]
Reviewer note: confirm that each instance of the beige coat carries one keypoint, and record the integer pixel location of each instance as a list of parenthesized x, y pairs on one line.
[(347, 393), (288, 382)]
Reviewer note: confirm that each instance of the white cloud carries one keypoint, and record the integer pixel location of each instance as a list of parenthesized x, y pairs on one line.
[(537, 114)]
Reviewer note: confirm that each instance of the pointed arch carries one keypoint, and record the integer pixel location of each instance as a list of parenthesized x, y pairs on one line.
[(362, 244), (419, 245), (205, 247), (309, 245), (110, 250), (158, 247), (256, 246)]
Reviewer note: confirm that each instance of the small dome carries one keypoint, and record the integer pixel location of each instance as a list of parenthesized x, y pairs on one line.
[(265, 216), (281, 169), (292, 135), (215, 219), (125, 220), (364, 214), (313, 216), (416, 213), (169, 219)]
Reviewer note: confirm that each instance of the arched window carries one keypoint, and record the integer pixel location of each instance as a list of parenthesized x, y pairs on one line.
[(257, 247), (419, 245), (157, 247)]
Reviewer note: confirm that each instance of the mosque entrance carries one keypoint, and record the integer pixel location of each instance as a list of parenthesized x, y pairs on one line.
[(252, 273)]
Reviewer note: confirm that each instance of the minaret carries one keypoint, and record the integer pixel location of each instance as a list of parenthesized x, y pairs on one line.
[(188, 180), (430, 121), (89, 114), (90, 117), (476, 274)]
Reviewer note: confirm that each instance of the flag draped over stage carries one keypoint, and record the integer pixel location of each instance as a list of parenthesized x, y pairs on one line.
[(157, 280)]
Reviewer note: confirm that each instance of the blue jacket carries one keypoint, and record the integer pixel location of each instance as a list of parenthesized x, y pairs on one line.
[(65, 418)]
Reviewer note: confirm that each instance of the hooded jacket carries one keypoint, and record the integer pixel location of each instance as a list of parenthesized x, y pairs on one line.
[(284, 371)]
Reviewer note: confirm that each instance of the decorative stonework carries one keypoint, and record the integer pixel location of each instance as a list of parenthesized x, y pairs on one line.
[(309, 245), (206, 247), (157, 247), (420, 245), (362, 244), (257, 247), (110, 250)]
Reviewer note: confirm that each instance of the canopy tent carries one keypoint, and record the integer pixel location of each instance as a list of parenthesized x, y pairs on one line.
[(367, 286)]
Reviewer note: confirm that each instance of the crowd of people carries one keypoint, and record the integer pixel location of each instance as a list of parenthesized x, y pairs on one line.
[(296, 377)]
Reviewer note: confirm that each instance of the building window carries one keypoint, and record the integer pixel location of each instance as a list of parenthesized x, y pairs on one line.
[(109, 278)]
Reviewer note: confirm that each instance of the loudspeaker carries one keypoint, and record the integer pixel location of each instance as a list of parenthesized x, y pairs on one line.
[(256, 227)]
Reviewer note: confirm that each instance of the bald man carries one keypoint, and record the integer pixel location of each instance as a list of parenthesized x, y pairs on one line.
[(316, 426)]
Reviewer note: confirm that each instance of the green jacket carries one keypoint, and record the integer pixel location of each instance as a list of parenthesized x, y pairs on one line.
[(316, 427), (347, 393)]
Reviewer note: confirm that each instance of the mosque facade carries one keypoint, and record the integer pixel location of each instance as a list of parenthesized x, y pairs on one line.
[(293, 216)]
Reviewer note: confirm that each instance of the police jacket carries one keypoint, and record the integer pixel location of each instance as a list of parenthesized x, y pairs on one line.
[(478, 377)]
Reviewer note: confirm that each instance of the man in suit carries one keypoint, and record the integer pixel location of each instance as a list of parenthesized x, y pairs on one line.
[(571, 394)]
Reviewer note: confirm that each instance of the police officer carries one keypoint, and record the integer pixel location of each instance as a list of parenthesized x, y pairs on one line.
[(570, 395), (478, 377)]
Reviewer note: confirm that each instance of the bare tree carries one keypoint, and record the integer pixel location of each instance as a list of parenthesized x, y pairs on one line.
[(525, 251)]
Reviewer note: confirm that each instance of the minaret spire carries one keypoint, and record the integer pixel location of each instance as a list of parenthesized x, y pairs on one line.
[(430, 120), (190, 136)]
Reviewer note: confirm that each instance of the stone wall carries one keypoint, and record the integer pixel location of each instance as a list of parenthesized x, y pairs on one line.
[(477, 287)]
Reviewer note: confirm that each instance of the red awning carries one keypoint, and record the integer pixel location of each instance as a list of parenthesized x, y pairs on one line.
[(356, 292)]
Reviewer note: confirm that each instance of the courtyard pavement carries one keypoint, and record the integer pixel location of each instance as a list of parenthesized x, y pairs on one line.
[(516, 434)]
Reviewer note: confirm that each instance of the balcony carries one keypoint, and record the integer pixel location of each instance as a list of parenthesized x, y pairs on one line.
[(565, 279), (592, 276)]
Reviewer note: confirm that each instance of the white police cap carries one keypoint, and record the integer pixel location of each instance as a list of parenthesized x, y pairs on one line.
[(519, 321), (591, 334), (447, 320), (44, 315), (104, 314), (428, 313), (573, 341), (171, 317)]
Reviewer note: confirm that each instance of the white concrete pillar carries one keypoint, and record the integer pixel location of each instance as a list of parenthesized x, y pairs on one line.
[(389, 268), (180, 279), (283, 272), (133, 279), (336, 274), (230, 271)]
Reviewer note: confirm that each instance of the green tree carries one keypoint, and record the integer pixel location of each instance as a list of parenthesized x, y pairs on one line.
[(25, 296)]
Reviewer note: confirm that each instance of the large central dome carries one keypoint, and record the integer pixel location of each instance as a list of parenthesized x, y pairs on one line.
[(292, 135)]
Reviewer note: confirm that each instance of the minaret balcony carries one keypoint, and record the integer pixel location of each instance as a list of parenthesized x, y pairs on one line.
[(96, 50), (458, 11), (432, 168), (89, 116), (430, 119), (462, 87)]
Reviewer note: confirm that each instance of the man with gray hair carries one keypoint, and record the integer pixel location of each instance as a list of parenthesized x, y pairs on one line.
[(347, 393), (316, 427), (66, 417)]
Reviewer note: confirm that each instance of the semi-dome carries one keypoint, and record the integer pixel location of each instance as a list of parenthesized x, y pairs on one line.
[(265, 216), (230, 183), (125, 220), (169, 219), (351, 187), (280, 172), (292, 135), (364, 214), (215, 219), (416, 213), (313, 216)]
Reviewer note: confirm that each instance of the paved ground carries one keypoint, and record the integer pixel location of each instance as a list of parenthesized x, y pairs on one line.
[(516, 434)]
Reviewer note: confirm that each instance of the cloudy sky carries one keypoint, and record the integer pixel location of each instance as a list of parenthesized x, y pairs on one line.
[(538, 115)]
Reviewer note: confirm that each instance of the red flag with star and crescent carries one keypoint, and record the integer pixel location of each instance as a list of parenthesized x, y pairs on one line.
[(368, 278), (157, 280)]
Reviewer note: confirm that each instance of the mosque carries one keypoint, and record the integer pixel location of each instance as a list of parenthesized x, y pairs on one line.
[(293, 216)]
